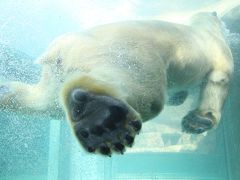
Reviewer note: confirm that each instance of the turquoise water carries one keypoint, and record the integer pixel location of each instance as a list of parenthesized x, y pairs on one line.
[(37, 148)]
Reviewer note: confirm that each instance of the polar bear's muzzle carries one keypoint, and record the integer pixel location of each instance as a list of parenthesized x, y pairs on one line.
[(101, 123)]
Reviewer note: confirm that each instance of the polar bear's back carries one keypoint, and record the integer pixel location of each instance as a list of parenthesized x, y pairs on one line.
[(141, 49), (124, 44)]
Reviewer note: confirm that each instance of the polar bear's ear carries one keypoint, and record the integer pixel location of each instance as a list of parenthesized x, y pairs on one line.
[(214, 13)]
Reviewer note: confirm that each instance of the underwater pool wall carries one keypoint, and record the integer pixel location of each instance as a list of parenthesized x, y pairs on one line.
[(232, 120), (232, 110), (232, 128)]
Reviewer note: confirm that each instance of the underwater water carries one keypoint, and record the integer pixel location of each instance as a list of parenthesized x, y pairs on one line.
[(40, 148)]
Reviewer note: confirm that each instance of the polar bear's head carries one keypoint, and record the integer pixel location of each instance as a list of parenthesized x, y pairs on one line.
[(206, 20)]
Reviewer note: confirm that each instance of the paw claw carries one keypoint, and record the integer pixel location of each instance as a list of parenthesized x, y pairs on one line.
[(79, 96), (137, 125), (129, 139), (91, 149), (105, 150), (119, 147)]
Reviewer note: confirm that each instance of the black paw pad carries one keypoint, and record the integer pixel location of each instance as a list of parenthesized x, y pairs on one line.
[(119, 147), (79, 95), (76, 112), (137, 125), (78, 100), (196, 124), (118, 113), (97, 130), (129, 139), (101, 123), (91, 149), (82, 133), (116, 117), (105, 150)]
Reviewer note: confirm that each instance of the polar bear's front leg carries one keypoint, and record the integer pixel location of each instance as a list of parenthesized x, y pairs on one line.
[(208, 113)]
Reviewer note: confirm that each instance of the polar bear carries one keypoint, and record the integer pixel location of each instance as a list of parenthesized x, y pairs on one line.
[(111, 78)]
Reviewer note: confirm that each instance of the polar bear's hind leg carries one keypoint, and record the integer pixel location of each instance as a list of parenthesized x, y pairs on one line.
[(212, 97)]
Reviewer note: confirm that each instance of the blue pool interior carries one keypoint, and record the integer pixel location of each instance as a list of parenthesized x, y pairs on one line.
[(40, 148)]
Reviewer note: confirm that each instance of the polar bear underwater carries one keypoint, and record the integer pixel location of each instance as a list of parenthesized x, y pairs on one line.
[(110, 79)]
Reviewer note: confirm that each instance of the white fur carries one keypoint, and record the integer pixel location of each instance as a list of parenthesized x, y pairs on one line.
[(136, 62)]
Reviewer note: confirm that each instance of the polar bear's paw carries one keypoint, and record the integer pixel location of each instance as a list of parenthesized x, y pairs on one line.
[(101, 123), (196, 123)]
